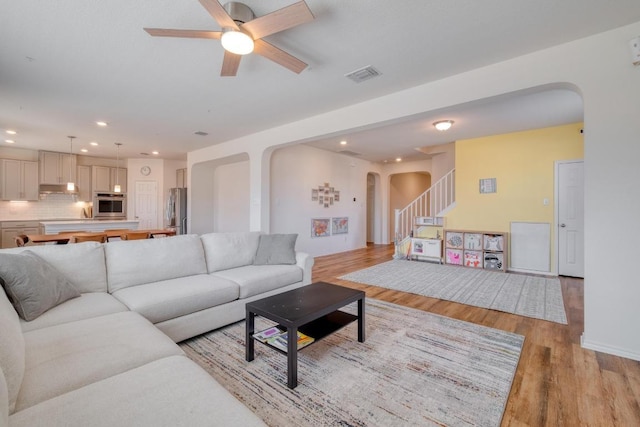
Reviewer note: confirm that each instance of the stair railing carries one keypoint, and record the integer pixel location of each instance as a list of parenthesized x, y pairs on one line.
[(432, 202)]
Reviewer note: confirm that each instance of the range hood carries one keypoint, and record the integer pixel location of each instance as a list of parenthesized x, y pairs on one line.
[(56, 189)]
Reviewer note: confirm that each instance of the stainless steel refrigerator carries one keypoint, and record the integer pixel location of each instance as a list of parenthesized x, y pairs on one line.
[(176, 211)]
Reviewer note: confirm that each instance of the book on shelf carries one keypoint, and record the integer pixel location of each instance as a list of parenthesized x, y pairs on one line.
[(281, 340), (265, 334)]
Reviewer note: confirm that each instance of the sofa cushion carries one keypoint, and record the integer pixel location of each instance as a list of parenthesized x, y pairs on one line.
[(256, 279), (32, 284), (66, 357), (82, 264), (229, 250), (172, 391), (136, 262), (276, 249), (86, 306), (4, 401), (173, 298), (12, 350)]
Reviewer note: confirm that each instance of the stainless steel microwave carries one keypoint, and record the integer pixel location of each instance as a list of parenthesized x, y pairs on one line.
[(110, 206)]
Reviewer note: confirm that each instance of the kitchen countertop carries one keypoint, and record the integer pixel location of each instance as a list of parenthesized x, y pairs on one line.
[(55, 227), (84, 221)]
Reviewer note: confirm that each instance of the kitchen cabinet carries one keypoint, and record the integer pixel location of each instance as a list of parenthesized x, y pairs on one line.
[(84, 184), (119, 176), (181, 178), (19, 180), (57, 168), (103, 178), (10, 229)]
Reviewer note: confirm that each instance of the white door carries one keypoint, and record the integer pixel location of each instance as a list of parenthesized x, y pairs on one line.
[(570, 220), (146, 204)]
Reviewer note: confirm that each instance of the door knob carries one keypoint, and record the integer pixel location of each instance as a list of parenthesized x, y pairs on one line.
[(563, 225)]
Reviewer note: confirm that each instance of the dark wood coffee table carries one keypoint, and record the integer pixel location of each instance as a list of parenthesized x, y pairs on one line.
[(312, 310)]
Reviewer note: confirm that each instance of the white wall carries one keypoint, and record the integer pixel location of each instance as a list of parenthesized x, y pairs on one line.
[(295, 171), (231, 196), (599, 68)]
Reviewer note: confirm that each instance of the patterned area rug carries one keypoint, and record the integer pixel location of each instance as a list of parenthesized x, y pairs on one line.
[(414, 369), (526, 295)]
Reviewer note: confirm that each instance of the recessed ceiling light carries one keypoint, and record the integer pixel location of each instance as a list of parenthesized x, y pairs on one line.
[(95, 144), (84, 150), (9, 141), (343, 142), (99, 123), (11, 132), (398, 159), (443, 125), (155, 153)]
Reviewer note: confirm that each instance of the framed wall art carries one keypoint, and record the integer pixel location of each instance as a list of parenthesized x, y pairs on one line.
[(320, 227), (340, 225)]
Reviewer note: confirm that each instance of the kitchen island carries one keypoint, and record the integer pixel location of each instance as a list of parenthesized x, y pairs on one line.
[(88, 225)]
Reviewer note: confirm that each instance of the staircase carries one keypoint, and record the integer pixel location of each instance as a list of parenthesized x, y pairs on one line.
[(436, 201)]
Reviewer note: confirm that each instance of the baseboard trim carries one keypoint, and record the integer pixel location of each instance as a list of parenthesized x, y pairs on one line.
[(536, 272), (604, 348)]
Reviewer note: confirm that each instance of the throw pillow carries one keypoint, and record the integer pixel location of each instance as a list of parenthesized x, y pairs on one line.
[(276, 249), (32, 284)]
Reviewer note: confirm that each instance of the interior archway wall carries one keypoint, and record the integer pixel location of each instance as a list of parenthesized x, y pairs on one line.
[(403, 189), (212, 181)]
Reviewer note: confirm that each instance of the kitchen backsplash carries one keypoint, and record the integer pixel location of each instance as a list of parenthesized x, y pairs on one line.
[(52, 206)]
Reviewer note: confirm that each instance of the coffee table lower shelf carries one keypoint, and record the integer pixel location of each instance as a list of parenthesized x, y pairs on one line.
[(318, 328)]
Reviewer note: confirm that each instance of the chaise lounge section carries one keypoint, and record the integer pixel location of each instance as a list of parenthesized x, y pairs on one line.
[(107, 354)]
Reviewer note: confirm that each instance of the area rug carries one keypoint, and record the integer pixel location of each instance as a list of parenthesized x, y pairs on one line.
[(525, 295), (414, 369)]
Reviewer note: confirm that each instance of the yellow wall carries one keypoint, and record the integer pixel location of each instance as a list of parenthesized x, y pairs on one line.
[(523, 165)]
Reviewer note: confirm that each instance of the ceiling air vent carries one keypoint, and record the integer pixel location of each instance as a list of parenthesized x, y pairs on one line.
[(201, 133), (349, 153), (363, 74)]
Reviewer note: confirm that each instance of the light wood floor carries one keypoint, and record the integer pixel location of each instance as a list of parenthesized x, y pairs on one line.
[(558, 383)]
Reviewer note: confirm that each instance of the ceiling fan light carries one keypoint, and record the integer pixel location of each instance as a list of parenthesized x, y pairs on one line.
[(443, 125), (236, 42)]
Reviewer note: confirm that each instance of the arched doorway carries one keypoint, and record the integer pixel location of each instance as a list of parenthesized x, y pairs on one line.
[(403, 189)]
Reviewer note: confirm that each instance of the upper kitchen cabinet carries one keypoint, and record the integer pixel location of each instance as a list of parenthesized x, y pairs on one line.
[(57, 168), (119, 176), (181, 178), (104, 178), (19, 180), (84, 184)]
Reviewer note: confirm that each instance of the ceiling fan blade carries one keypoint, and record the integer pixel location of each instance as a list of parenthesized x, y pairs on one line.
[(230, 64), (280, 20), (218, 13), (279, 56), (194, 34)]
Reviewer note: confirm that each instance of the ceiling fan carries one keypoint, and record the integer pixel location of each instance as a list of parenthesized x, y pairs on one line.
[(242, 32)]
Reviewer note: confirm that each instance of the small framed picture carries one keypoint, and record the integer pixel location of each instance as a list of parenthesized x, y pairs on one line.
[(320, 227), (340, 225), (314, 195)]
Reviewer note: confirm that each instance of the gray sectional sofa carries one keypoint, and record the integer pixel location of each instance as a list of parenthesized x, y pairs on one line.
[(104, 354)]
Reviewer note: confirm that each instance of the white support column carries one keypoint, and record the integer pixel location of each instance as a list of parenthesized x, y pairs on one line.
[(259, 186)]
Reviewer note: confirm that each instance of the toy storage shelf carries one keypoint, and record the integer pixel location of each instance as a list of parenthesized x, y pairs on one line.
[(476, 249)]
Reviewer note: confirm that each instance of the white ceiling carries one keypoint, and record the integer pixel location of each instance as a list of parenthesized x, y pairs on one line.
[(68, 63)]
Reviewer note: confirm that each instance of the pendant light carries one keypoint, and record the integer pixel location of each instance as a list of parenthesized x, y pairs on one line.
[(116, 188), (71, 186)]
